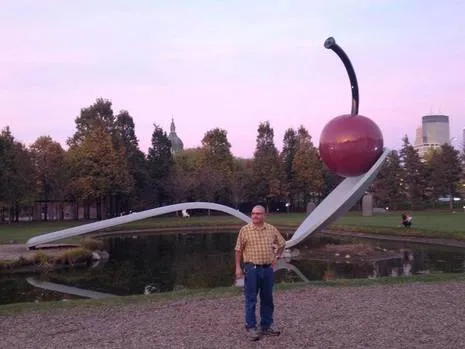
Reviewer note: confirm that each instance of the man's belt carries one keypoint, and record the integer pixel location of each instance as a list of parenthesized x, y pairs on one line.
[(258, 265)]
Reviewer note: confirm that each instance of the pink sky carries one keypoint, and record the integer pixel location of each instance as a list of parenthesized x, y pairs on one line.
[(230, 65)]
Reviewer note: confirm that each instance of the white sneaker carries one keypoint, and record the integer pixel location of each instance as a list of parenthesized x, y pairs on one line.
[(252, 334)]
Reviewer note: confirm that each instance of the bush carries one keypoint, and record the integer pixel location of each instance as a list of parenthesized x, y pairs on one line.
[(41, 258), (92, 244), (16, 263), (76, 255)]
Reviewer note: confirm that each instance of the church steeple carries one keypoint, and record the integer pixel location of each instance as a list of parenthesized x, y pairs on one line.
[(172, 128), (176, 143)]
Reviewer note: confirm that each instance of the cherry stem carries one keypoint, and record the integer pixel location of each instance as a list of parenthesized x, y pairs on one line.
[(330, 43)]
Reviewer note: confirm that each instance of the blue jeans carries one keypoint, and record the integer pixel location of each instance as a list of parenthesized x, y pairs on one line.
[(258, 279)]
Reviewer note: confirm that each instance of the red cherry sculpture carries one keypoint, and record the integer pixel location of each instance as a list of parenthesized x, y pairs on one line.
[(350, 144)]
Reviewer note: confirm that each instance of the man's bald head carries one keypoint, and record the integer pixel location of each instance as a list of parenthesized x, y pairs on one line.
[(258, 215)]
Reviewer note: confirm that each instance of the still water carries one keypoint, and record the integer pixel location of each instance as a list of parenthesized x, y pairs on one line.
[(167, 262)]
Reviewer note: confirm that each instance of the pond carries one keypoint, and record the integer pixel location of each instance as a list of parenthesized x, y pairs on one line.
[(150, 263)]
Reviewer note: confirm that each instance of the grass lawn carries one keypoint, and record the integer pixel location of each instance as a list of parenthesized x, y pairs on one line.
[(437, 224), (423, 220), (20, 232)]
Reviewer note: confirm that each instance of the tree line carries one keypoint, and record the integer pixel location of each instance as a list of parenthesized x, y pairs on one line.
[(104, 167)]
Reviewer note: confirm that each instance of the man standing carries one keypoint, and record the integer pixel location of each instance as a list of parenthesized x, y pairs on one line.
[(259, 244)]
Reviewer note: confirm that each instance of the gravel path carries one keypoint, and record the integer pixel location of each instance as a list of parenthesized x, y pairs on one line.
[(416, 315)]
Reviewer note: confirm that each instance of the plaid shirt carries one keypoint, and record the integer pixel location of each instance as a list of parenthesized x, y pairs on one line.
[(256, 244)]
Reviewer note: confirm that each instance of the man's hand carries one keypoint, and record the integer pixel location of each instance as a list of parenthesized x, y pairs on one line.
[(239, 273), (238, 257), (275, 259)]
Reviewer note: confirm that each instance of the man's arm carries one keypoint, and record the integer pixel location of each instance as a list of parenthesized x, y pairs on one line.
[(239, 272), (238, 255), (281, 244)]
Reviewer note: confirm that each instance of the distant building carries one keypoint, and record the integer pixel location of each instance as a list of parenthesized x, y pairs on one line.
[(176, 143), (418, 136), (434, 132)]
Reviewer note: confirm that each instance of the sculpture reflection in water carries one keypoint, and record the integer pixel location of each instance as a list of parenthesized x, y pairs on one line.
[(302, 268), (65, 289), (71, 290)]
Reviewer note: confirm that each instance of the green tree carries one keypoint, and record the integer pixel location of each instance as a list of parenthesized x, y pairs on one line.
[(217, 166), (462, 164), (98, 115), (136, 162), (387, 186), (160, 167), (432, 190), (16, 176), (413, 180), (210, 184), (99, 119), (307, 168), (266, 169), (217, 149), (330, 179), (98, 170), (6, 160), (186, 180), (446, 172), (241, 180), (287, 158), (50, 173)]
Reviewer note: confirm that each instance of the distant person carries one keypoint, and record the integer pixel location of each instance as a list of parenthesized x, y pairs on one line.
[(406, 220), (255, 247)]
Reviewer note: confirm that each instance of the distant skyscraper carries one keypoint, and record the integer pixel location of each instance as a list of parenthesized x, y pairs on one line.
[(435, 132), (419, 136), (436, 129), (176, 143)]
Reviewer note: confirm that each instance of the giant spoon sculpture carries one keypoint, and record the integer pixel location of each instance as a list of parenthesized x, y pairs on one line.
[(350, 145)]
